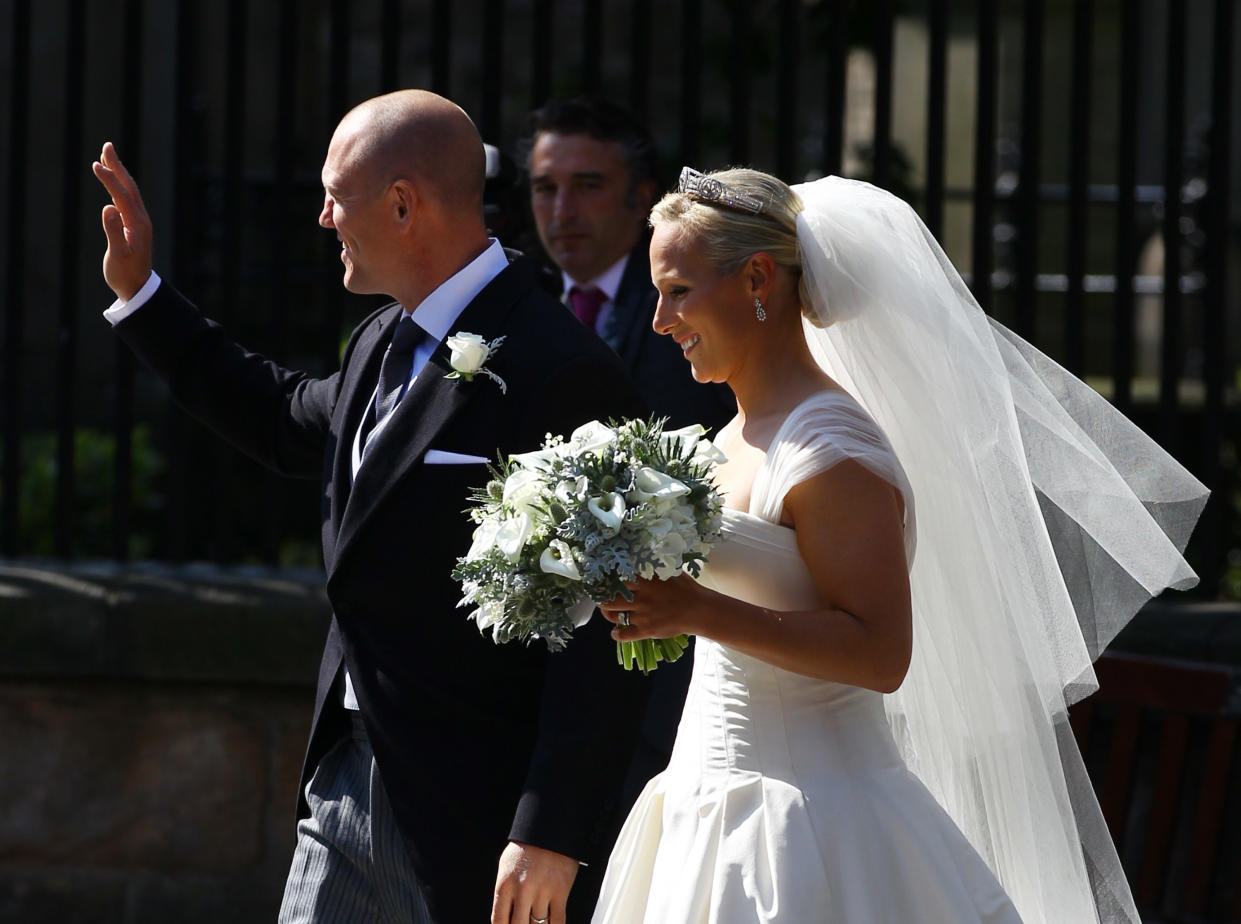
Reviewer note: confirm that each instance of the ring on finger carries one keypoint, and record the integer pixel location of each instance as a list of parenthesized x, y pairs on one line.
[(534, 920), (623, 618)]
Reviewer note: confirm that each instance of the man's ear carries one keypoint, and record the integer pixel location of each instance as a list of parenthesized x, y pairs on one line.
[(404, 200)]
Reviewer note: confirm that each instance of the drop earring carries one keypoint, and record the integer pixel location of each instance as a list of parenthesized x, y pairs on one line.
[(759, 312)]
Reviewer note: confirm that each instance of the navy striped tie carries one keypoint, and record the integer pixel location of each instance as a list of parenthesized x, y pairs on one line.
[(397, 363)]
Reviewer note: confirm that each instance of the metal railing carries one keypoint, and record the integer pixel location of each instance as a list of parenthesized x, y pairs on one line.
[(1044, 180)]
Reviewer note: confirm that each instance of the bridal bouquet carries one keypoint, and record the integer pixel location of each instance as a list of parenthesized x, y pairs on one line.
[(566, 526)]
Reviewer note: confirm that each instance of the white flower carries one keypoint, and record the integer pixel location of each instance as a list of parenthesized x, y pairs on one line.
[(707, 453), (579, 613), (467, 354), (512, 535), (522, 489), (671, 554), (486, 615), (608, 509), (684, 438), (484, 539), (659, 528), (570, 491), (649, 482), (540, 459), (591, 437), (557, 558)]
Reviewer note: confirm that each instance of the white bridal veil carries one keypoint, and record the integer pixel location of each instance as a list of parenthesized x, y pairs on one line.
[(1044, 520)]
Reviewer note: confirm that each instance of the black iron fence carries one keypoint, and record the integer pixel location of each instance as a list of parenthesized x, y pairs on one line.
[(1076, 158)]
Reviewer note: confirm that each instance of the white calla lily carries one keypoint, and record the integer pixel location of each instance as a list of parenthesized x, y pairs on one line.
[(569, 491), (591, 437), (512, 536), (521, 489), (649, 482), (608, 509), (557, 558), (484, 539), (683, 439), (539, 460), (579, 613), (707, 453)]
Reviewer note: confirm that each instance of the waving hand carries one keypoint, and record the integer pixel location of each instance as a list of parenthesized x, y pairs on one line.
[(127, 261)]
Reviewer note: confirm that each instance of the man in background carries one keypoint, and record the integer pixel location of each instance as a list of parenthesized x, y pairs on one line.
[(593, 181)]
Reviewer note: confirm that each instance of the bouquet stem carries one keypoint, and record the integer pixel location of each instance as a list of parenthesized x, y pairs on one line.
[(648, 652)]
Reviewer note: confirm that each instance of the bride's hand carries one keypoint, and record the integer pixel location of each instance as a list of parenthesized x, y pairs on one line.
[(659, 609)]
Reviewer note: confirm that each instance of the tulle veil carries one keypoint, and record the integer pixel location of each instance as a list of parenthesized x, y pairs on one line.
[(1045, 519)]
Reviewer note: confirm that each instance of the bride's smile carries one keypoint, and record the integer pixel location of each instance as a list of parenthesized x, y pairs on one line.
[(706, 313)]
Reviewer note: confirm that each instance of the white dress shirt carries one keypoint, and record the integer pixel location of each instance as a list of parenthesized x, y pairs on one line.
[(436, 315)]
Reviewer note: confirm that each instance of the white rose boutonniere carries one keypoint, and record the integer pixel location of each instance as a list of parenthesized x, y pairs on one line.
[(469, 352)]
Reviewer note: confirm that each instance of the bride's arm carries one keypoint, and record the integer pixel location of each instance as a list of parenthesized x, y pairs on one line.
[(849, 532)]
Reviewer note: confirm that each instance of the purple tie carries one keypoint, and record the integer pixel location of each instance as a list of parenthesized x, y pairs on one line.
[(586, 304)]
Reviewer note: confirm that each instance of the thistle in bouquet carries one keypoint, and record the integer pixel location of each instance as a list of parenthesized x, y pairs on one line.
[(566, 526)]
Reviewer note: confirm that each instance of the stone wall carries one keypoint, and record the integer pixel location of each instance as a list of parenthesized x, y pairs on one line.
[(153, 721)]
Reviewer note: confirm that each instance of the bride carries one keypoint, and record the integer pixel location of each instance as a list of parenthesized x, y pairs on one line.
[(876, 727)]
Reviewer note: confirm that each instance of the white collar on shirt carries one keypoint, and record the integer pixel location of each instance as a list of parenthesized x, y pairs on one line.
[(608, 282), (438, 312)]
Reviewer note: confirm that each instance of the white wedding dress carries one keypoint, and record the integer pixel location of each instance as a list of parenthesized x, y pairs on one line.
[(786, 798)]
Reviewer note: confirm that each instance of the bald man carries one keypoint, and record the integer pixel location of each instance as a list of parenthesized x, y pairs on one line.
[(446, 777)]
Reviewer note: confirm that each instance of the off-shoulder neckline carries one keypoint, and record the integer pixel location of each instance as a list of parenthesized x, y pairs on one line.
[(833, 395), (785, 532)]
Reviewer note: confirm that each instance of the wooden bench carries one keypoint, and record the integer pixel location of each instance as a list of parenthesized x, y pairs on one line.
[(1160, 743)]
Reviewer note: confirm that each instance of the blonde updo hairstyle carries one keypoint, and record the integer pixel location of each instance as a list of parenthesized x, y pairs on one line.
[(730, 237)]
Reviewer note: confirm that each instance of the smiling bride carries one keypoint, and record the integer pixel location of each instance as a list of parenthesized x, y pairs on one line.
[(876, 726)]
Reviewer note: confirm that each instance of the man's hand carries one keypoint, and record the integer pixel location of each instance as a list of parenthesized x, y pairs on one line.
[(127, 262), (532, 885)]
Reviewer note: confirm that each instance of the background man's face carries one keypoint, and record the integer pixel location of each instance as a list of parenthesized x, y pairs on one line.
[(586, 217)]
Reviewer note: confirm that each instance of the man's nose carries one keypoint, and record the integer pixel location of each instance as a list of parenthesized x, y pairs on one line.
[(325, 216), (565, 205)]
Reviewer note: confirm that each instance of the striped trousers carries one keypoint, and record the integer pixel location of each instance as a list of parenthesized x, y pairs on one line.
[(350, 863)]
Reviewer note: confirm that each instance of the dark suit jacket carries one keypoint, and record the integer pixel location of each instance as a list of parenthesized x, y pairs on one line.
[(476, 743)]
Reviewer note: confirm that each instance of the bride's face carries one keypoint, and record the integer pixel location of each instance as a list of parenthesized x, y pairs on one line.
[(709, 315)]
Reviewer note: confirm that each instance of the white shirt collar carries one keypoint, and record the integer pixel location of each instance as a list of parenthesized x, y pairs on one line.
[(438, 312), (608, 282)]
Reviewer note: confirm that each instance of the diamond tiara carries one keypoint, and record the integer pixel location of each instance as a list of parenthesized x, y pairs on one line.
[(708, 189)]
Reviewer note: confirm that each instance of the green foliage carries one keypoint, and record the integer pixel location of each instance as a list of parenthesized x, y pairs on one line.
[(93, 514), (1230, 588)]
